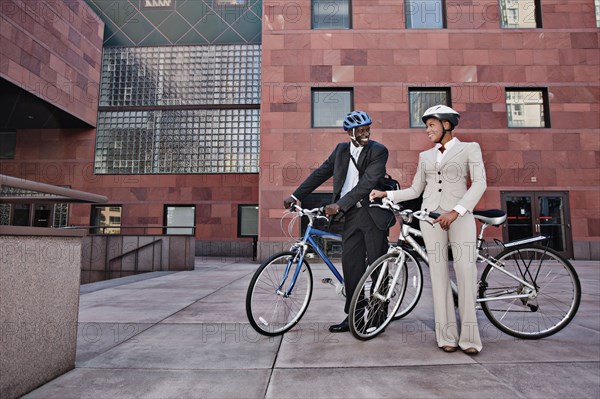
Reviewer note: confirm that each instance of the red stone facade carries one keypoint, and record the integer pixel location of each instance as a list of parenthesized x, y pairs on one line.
[(380, 59), (53, 49), (142, 197)]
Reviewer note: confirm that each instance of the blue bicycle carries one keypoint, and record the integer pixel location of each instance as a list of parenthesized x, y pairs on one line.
[(281, 288)]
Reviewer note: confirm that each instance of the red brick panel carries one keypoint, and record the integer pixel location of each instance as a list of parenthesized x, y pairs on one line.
[(53, 49)]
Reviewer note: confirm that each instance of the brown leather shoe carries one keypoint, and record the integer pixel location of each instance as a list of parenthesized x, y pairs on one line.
[(448, 348), (471, 351)]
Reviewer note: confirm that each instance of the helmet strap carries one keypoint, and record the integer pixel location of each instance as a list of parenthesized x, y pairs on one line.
[(353, 138), (443, 134)]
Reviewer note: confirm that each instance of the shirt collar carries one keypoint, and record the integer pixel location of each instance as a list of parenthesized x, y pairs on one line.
[(448, 145), (355, 151)]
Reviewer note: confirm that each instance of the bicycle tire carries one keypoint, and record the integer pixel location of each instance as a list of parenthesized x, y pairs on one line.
[(414, 285), (369, 313), (558, 292), (270, 313)]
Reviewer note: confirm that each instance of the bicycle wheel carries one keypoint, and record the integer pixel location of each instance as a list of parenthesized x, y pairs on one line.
[(414, 286), (270, 311), (376, 300), (547, 310)]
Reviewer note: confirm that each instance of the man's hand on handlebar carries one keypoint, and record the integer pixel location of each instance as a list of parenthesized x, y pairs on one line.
[(377, 194), (332, 209), (288, 202)]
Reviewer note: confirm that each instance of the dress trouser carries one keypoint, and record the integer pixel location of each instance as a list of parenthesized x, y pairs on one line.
[(362, 244), (462, 238)]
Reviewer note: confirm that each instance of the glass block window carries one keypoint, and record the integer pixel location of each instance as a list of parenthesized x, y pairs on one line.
[(331, 14), (597, 6), (527, 107), (180, 75), (330, 106), (421, 98), (178, 141), (520, 14), (185, 109), (425, 14)]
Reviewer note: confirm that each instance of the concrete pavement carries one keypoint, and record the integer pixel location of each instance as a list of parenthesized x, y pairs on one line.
[(185, 335)]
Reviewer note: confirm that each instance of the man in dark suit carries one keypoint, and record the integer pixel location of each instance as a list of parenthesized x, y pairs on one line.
[(365, 228)]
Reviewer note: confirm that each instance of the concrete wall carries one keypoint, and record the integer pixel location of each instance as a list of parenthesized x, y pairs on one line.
[(39, 300), (101, 257)]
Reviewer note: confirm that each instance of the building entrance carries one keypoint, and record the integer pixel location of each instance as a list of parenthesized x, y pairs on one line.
[(538, 212)]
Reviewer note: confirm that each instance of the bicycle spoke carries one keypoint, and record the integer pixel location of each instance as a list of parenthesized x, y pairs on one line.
[(543, 311), (273, 305)]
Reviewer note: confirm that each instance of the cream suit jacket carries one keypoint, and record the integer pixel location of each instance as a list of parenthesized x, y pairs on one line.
[(445, 183)]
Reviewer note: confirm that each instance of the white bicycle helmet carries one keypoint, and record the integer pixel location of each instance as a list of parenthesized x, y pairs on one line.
[(443, 113)]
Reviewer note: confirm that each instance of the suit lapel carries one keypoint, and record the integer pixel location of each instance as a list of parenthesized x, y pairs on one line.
[(456, 149), (362, 157), (340, 173)]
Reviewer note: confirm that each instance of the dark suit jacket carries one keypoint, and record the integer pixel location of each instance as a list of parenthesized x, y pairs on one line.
[(371, 164)]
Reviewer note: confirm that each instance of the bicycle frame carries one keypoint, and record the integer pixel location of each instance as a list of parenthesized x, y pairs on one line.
[(302, 246), (408, 231)]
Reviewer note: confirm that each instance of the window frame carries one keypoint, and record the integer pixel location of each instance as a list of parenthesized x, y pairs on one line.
[(545, 106), (537, 13), (102, 230), (241, 207), (444, 15), (430, 89), (312, 17), (349, 90), (165, 220)]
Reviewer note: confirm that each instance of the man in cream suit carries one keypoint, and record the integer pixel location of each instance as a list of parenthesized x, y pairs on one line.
[(442, 178)]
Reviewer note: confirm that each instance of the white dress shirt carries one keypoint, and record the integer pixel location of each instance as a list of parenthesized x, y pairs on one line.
[(352, 174)]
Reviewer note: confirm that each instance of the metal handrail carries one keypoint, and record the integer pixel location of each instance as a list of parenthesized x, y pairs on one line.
[(123, 227), (60, 194)]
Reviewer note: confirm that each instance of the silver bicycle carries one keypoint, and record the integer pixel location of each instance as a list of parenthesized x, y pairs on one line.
[(527, 291)]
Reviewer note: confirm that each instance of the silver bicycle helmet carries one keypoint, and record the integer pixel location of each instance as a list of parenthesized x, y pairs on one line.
[(443, 113)]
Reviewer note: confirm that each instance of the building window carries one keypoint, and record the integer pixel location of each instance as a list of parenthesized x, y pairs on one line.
[(421, 98), (179, 109), (597, 4), (8, 141), (106, 219), (178, 141), (520, 14), (425, 14), (37, 215), (179, 216), (527, 107), (248, 220), (28, 212), (331, 14), (329, 107)]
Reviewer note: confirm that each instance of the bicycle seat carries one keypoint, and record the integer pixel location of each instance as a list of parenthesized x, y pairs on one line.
[(494, 217)]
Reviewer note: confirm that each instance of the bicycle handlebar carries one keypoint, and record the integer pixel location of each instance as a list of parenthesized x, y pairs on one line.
[(388, 204), (311, 213)]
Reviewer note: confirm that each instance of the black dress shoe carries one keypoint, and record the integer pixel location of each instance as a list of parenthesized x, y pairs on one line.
[(339, 328)]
